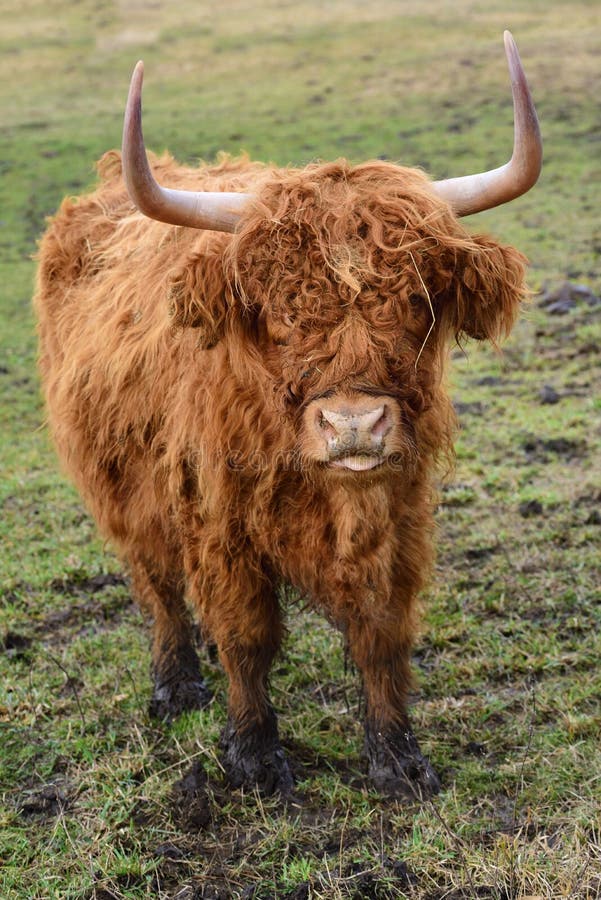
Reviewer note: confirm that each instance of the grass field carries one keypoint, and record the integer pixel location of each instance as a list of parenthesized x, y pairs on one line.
[(97, 799)]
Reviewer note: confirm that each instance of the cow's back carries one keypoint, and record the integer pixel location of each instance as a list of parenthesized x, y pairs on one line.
[(111, 359)]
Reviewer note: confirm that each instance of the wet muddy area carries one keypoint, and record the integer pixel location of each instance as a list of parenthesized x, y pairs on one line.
[(90, 603), (45, 802)]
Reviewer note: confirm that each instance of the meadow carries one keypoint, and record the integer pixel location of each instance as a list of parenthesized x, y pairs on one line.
[(97, 800)]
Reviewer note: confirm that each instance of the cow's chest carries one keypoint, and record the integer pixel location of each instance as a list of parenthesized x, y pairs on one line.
[(339, 542)]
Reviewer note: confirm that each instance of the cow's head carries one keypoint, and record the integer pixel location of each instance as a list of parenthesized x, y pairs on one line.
[(348, 281)]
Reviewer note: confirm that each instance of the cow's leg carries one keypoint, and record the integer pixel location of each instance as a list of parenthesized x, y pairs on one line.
[(381, 649), (177, 682), (242, 615)]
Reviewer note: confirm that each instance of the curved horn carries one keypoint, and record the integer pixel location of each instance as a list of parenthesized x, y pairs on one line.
[(215, 211), (474, 193)]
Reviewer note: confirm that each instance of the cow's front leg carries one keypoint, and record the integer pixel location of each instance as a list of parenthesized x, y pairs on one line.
[(251, 750), (253, 757), (381, 650), (245, 622)]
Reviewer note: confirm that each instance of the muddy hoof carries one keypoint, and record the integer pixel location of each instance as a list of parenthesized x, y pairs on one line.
[(171, 697), (254, 758), (397, 767)]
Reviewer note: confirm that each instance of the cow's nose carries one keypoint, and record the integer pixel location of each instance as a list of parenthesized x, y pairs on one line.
[(354, 428)]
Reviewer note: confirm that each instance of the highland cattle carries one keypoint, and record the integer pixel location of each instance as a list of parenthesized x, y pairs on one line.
[(244, 370)]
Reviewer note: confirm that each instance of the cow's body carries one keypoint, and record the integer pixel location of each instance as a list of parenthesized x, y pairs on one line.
[(249, 391), (192, 379)]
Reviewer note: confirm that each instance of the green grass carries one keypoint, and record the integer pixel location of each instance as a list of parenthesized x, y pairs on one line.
[(508, 693)]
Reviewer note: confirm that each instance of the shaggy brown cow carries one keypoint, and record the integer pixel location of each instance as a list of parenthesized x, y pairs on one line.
[(250, 392)]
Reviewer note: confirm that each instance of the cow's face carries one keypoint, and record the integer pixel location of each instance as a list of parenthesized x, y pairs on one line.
[(346, 288), (347, 364)]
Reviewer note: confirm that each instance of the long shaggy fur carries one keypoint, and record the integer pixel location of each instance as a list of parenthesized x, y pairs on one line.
[(177, 364)]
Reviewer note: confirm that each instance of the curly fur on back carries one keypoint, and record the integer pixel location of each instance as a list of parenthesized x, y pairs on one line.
[(176, 366)]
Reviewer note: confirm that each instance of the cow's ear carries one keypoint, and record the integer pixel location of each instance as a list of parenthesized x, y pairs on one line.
[(198, 296), (488, 291)]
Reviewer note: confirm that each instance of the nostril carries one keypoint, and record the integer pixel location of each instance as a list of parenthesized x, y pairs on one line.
[(324, 425), (383, 424)]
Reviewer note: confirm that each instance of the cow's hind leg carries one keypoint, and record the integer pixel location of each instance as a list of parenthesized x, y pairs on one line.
[(177, 682)]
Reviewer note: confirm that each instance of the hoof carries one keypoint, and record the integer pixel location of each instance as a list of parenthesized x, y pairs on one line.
[(397, 767), (253, 758), (173, 696)]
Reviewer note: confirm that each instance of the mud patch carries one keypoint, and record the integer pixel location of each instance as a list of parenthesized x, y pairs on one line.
[(172, 865), (474, 554), (82, 585), (388, 882), (489, 381), (475, 748), (538, 449), (45, 801), (530, 508), (191, 807), (563, 299), (89, 609), (300, 892), (15, 645), (548, 396), (469, 409)]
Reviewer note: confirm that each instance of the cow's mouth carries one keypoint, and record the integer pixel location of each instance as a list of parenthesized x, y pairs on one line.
[(357, 463)]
